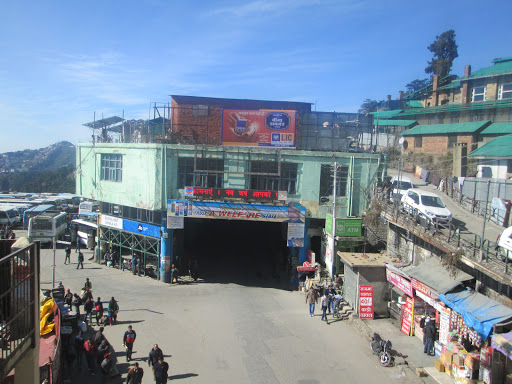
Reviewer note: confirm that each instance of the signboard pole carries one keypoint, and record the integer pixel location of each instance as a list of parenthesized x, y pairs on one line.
[(334, 218)]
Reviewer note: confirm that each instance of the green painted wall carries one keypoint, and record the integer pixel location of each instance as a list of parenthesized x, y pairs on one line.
[(148, 180)]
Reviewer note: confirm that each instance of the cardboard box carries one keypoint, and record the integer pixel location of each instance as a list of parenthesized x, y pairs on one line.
[(439, 365), (443, 358), (472, 361), (448, 357), (458, 360)]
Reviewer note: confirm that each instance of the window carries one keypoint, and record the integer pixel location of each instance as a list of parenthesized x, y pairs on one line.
[(268, 180), (111, 167), (200, 110), (478, 94), (452, 140), (505, 91), (201, 178), (418, 141), (509, 166), (327, 181)]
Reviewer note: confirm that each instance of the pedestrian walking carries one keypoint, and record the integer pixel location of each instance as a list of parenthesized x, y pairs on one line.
[(128, 339), (99, 338), (88, 305), (154, 355), (430, 334), (325, 304), (311, 299), (77, 242), (79, 349), (174, 274), (68, 297), (336, 300), (135, 374), (98, 306), (113, 309), (80, 260), (161, 371), (330, 290), (91, 349), (76, 303), (68, 255), (87, 284)]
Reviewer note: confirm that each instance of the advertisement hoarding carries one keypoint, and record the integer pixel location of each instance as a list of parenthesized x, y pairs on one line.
[(259, 128), (366, 302), (344, 227)]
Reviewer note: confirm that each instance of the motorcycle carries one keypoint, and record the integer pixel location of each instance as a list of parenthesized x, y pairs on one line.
[(381, 348)]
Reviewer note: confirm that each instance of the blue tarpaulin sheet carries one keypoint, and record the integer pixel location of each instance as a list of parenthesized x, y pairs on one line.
[(479, 312)]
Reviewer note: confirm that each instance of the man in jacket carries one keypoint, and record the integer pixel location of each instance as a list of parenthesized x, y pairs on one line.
[(429, 333), (128, 340), (68, 297), (161, 369), (98, 306), (154, 355), (88, 305), (325, 305), (80, 260), (311, 299), (135, 375)]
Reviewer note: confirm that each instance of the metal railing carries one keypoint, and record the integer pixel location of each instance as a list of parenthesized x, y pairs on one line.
[(19, 302)]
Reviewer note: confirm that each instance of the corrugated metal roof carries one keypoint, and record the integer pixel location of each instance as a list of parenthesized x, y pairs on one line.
[(432, 273), (386, 114), (398, 123), (454, 84), (500, 67), (415, 104), (498, 129), (445, 129), (456, 107), (499, 147)]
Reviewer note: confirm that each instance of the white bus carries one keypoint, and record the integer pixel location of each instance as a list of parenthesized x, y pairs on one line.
[(86, 231), (88, 207), (47, 226)]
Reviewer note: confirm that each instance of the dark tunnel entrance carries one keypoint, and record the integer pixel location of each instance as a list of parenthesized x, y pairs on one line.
[(252, 253)]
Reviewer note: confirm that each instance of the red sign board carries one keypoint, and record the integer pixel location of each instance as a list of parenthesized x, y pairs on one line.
[(306, 267), (246, 194), (366, 302), (407, 316), (419, 286)]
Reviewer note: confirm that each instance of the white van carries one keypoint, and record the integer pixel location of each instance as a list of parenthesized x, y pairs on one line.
[(9, 215), (504, 244), (400, 185)]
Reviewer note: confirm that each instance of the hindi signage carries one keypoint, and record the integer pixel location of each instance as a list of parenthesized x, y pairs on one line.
[(245, 194), (400, 282), (407, 316), (366, 302)]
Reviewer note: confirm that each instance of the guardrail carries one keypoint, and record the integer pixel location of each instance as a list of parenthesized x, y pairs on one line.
[(19, 301)]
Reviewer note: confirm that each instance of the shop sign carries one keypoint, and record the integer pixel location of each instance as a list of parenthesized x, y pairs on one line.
[(245, 194), (175, 222), (259, 128), (112, 222), (444, 325), (291, 213), (407, 316), (419, 286), (344, 227), (141, 228), (400, 282), (366, 302), (429, 300), (295, 236), (306, 267)]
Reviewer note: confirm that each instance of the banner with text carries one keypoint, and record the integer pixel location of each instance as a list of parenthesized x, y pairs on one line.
[(259, 128), (291, 213)]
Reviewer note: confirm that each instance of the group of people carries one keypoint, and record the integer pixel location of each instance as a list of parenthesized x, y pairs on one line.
[(90, 306), (67, 259), (6, 232), (97, 352), (330, 301)]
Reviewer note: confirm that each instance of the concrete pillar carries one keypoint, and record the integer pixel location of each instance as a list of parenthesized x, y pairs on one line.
[(465, 87), (460, 161), (27, 369)]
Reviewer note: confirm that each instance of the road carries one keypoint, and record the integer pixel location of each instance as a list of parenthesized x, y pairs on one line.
[(226, 333)]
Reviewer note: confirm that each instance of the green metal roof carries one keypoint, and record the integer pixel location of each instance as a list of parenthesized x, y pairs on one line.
[(454, 84), (445, 129), (500, 67), (498, 129), (386, 114), (499, 147), (456, 107), (415, 104), (398, 123)]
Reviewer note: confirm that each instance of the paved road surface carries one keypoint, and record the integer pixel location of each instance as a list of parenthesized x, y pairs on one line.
[(230, 333)]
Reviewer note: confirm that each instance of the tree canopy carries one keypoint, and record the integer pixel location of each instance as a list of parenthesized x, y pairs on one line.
[(416, 85), (368, 106), (444, 51)]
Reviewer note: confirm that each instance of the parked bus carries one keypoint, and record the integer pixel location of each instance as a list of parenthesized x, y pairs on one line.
[(88, 207), (70, 201), (34, 211), (9, 215), (86, 232), (46, 226)]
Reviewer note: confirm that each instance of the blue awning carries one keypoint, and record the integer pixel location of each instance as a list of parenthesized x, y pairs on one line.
[(479, 312)]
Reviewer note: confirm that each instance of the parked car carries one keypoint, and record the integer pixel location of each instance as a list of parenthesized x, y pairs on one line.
[(400, 186), (425, 204), (504, 244)]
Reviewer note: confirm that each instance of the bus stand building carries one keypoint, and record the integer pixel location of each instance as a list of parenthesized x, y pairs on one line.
[(229, 180)]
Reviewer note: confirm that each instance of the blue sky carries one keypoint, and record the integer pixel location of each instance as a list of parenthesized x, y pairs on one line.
[(60, 62)]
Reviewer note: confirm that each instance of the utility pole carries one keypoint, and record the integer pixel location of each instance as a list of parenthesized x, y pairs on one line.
[(485, 219), (53, 268)]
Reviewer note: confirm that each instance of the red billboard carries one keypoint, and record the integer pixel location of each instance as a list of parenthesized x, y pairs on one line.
[(259, 128), (366, 302)]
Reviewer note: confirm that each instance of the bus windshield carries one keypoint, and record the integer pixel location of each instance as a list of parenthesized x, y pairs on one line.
[(42, 224)]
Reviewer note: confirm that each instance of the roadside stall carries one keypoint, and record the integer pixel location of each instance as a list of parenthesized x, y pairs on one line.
[(365, 286), (502, 356), (473, 319), (401, 291)]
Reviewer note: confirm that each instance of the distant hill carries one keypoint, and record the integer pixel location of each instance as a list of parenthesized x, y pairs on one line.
[(49, 169), (53, 157)]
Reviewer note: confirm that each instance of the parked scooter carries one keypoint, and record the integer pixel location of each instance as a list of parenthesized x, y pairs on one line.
[(382, 349)]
